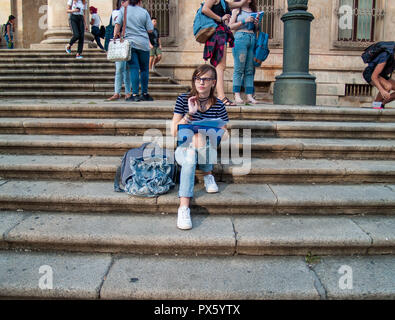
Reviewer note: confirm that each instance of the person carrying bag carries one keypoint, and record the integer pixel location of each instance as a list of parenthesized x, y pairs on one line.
[(119, 49)]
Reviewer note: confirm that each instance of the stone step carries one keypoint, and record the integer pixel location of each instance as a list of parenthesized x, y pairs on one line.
[(103, 276), (157, 95), (69, 65), (262, 170), (282, 129), (211, 235), (267, 148), (239, 199), (65, 72), (164, 110), (97, 86), (74, 79), (51, 60)]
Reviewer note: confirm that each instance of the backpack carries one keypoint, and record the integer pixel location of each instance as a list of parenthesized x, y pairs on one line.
[(371, 52), (203, 26), (261, 49), (145, 171), (3, 29), (108, 34)]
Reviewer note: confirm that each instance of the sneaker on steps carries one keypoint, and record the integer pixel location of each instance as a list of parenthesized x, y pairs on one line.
[(209, 184), (184, 221)]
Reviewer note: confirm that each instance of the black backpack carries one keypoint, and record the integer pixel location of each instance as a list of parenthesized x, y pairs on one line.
[(371, 52)]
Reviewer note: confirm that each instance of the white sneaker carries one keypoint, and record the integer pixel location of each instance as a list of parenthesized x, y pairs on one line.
[(184, 221), (209, 184)]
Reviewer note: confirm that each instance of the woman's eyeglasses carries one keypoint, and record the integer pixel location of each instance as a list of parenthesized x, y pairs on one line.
[(198, 79)]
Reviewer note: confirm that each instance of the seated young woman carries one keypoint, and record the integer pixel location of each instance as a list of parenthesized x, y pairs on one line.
[(199, 104)]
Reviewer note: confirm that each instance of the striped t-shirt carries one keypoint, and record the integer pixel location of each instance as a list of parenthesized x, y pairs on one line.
[(217, 110)]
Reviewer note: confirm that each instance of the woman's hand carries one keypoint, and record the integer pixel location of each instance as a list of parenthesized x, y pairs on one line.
[(226, 18), (250, 19), (193, 105)]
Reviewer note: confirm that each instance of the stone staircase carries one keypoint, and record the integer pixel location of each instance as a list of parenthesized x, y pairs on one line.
[(55, 74), (320, 197)]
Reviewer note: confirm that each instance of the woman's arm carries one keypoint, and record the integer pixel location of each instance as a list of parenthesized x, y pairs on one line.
[(235, 5), (9, 31), (71, 11), (177, 119), (208, 4)]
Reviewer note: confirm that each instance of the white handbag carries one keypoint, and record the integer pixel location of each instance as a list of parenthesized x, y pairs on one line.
[(119, 49)]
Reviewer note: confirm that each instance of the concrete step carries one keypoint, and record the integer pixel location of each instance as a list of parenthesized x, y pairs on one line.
[(63, 71), (76, 64), (73, 79), (282, 129), (240, 199), (103, 276), (19, 107), (157, 95), (211, 235), (21, 60), (267, 148), (96, 86), (262, 170)]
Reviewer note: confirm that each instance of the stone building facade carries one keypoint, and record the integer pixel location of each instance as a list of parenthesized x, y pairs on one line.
[(340, 31)]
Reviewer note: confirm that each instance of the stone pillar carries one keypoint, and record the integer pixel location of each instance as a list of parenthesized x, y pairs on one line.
[(59, 31), (295, 86)]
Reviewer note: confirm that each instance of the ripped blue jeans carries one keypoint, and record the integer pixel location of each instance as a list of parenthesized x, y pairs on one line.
[(189, 158), (243, 55)]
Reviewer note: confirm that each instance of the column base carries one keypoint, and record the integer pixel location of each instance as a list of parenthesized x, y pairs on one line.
[(295, 89), (58, 38)]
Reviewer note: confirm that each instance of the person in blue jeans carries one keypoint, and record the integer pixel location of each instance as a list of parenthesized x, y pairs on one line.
[(9, 32), (122, 72), (244, 26), (138, 25), (199, 104)]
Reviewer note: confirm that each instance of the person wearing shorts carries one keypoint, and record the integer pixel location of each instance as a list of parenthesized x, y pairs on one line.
[(155, 46), (378, 74)]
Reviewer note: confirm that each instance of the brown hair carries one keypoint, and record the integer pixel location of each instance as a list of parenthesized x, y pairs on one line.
[(202, 69)]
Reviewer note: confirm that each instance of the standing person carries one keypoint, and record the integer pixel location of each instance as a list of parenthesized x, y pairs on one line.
[(155, 45), (9, 32), (95, 23), (77, 8), (138, 25), (378, 74), (216, 46), (122, 73), (244, 50), (200, 104)]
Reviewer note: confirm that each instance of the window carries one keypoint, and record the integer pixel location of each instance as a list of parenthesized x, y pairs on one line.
[(162, 10), (359, 22), (271, 22)]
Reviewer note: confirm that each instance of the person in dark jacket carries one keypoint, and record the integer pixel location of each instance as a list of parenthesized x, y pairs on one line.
[(378, 74)]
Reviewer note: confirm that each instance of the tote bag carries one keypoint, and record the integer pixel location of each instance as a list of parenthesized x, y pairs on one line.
[(119, 49)]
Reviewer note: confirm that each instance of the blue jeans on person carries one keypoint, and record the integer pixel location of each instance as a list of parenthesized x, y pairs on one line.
[(139, 70), (122, 74), (243, 55), (189, 158), (96, 33), (10, 43)]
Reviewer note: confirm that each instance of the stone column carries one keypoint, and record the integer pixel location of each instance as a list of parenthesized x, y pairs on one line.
[(295, 86), (59, 31)]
